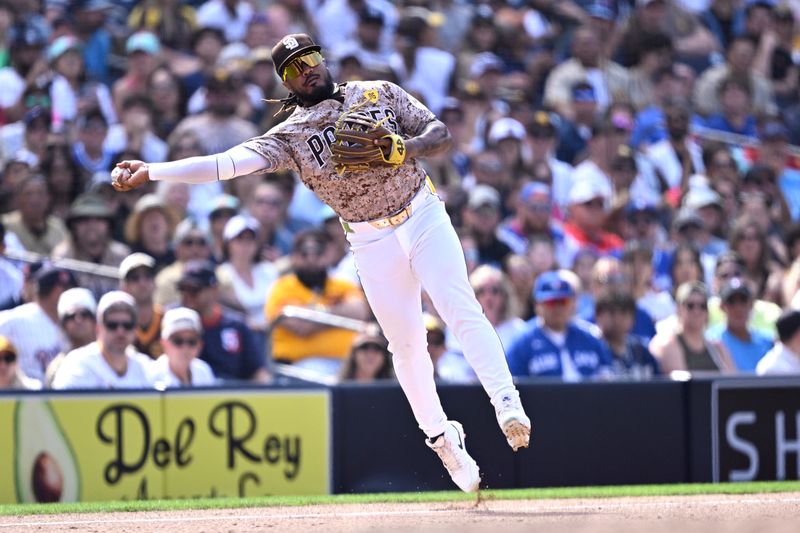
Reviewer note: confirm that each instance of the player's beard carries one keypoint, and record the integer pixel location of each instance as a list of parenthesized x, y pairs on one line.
[(320, 92)]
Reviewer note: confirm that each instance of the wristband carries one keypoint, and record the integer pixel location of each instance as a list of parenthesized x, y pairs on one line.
[(397, 152)]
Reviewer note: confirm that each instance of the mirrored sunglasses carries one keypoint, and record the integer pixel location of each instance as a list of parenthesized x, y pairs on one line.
[(295, 68)]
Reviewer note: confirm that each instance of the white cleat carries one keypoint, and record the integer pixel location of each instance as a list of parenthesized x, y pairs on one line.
[(512, 419), (452, 450)]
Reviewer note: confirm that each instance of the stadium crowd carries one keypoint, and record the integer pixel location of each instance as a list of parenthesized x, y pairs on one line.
[(624, 179)]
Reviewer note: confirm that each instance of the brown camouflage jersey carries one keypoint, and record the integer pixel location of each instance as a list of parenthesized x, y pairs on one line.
[(302, 144)]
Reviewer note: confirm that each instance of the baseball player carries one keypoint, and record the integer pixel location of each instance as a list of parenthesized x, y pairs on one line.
[(399, 232)]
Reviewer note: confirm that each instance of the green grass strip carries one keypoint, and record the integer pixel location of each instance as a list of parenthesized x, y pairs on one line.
[(404, 497)]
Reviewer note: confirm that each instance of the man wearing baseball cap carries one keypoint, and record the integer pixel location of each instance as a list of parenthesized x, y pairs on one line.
[(532, 218), (746, 345), (179, 366), (575, 129), (589, 202), (76, 314), (191, 243), (137, 278), (543, 132), (418, 248), (228, 344), (608, 132), (482, 216), (90, 222), (555, 346), (142, 49), (33, 327), (313, 346), (110, 362)]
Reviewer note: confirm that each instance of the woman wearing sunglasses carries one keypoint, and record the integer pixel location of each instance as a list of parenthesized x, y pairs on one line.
[(685, 347), (179, 365), (400, 234), (498, 301)]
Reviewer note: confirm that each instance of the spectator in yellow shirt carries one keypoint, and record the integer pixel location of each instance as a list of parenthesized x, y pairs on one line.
[(301, 342)]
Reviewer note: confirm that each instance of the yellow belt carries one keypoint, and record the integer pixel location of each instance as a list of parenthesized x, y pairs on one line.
[(394, 220)]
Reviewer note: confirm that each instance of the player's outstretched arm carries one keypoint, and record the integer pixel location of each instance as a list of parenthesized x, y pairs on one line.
[(434, 139), (238, 161)]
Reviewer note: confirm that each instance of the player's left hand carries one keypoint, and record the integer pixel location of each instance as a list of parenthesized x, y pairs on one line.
[(362, 142)]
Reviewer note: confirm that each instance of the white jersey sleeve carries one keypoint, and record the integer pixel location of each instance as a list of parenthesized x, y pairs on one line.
[(238, 161)]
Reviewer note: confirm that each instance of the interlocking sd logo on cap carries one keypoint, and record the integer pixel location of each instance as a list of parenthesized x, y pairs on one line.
[(290, 47)]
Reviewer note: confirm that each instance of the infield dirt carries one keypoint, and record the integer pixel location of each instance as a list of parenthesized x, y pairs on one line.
[(762, 513)]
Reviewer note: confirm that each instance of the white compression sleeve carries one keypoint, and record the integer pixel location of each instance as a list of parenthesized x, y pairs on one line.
[(238, 161)]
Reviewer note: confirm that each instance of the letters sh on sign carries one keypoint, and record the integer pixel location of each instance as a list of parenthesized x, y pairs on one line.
[(755, 430)]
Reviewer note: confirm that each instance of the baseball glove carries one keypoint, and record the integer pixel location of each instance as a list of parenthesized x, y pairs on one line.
[(355, 150)]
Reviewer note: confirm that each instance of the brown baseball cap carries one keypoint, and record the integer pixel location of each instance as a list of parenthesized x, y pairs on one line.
[(292, 46), (371, 334)]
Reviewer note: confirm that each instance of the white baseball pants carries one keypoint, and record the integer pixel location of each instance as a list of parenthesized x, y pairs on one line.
[(394, 264)]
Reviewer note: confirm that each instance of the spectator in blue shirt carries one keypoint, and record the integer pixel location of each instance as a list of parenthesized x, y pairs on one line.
[(651, 126), (608, 275), (774, 153), (641, 224), (746, 346), (555, 346), (735, 95), (90, 23), (615, 313), (574, 133), (229, 346)]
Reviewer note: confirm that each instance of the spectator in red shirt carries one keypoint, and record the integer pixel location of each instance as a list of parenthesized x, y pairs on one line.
[(588, 206)]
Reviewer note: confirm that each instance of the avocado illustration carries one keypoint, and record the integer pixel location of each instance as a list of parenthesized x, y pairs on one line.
[(45, 466)]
